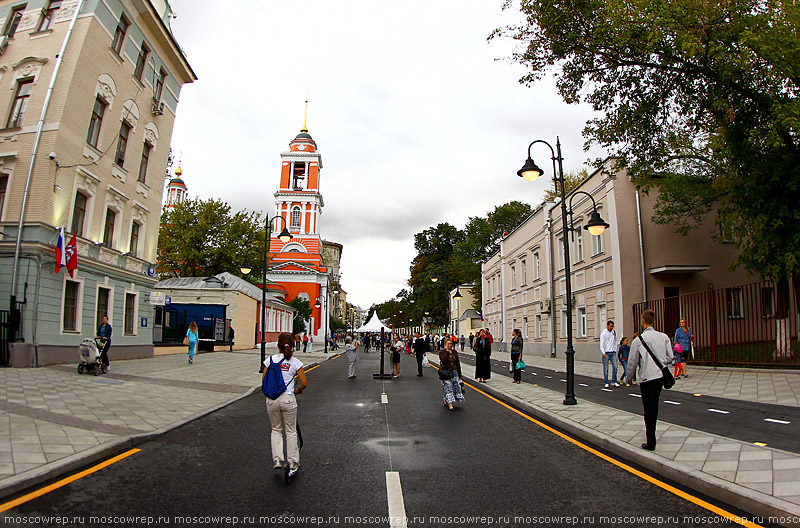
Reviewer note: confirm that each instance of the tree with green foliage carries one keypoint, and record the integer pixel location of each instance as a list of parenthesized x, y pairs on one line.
[(200, 238), (303, 315), (571, 181), (696, 98)]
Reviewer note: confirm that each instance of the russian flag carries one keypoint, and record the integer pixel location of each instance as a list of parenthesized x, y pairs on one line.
[(61, 254), (479, 313)]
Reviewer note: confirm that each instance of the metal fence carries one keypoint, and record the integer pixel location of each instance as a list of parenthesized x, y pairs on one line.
[(748, 325)]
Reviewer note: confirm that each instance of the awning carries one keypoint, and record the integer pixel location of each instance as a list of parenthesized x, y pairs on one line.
[(677, 269)]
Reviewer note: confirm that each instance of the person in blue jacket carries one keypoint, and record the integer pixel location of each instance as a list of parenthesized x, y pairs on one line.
[(104, 333), (191, 335)]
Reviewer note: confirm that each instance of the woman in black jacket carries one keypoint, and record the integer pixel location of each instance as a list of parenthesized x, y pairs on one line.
[(516, 354), (483, 350)]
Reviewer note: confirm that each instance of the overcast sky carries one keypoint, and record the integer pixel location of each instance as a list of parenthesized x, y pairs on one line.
[(416, 119)]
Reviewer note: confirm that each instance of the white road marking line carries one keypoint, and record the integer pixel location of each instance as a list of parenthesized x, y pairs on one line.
[(384, 398), (564, 381), (718, 411), (549, 377), (635, 395), (607, 390), (773, 420), (671, 402), (394, 494), (583, 384)]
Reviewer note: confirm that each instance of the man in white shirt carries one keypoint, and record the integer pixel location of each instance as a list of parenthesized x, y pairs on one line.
[(608, 346), (650, 375)]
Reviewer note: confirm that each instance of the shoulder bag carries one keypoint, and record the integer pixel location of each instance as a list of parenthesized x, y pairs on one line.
[(666, 376)]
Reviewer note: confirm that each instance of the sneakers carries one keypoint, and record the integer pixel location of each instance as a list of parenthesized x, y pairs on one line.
[(606, 385), (616, 384), (293, 471), (277, 466)]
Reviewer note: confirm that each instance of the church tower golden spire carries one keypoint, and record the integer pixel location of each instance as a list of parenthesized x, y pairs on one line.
[(305, 115)]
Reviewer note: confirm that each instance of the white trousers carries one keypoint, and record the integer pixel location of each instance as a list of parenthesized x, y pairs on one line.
[(283, 415)]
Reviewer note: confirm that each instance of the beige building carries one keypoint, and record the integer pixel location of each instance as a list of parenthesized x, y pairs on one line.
[(464, 319), (632, 261), (89, 91), (216, 304)]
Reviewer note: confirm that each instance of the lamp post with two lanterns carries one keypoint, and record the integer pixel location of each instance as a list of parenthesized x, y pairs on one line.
[(595, 226), (246, 268)]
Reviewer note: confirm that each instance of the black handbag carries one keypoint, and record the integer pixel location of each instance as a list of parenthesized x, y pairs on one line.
[(667, 378), (445, 373)]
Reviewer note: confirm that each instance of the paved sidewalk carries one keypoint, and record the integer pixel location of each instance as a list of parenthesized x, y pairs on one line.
[(53, 420), (758, 479)]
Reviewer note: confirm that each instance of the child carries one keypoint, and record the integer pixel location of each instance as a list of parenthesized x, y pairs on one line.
[(678, 361), (624, 350)]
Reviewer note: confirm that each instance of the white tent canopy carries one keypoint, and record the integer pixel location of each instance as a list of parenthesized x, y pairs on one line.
[(374, 325)]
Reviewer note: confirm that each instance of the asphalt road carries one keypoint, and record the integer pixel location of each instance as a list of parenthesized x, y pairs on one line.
[(740, 420), (477, 466)]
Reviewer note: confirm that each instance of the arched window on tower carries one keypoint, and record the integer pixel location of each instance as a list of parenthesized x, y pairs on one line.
[(296, 216)]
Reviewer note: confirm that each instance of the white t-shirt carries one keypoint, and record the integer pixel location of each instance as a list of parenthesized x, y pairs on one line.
[(289, 369)]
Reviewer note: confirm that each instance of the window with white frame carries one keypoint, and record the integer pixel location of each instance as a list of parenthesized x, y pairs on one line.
[(734, 303), (560, 253), (600, 319), (597, 244), (131, 312), (538, 327), (523, 271), (582, 321), (296, 216), (71, 306), (103, 305), (536, 266), (525, 327), (513, 277), (578, 233), (563, 323)]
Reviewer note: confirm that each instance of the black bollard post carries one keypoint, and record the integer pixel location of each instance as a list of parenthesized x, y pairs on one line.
[(382, 374)]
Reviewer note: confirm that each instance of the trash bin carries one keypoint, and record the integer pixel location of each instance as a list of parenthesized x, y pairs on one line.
[(205, 345)]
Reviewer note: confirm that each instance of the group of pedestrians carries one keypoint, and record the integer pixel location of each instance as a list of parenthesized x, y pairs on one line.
[(614, 351)]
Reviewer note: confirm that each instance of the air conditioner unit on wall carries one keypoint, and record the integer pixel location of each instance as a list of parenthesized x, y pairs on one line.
[(3, 43), (158, 107)]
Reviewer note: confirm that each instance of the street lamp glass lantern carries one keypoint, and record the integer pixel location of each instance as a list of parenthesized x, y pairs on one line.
[(285, 235), (596, 225), (458, 295), (434, 278), (317, 304), (530, 171), (246, 268)]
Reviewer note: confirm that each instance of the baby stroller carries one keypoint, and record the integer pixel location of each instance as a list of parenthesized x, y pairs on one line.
[(90, 356)]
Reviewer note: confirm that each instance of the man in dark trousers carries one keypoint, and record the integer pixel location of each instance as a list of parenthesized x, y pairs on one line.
[(650, 375), (420, 348), (104, 333), (230, 337)]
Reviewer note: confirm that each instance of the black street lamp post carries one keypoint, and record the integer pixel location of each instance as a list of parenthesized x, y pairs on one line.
[(245, 268), (595, 226)]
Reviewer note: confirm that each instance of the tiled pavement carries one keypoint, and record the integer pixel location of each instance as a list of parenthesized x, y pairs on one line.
[(53, 420), (758, 479)]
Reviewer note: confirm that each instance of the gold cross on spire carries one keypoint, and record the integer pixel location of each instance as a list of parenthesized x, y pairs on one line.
[(305, 115)]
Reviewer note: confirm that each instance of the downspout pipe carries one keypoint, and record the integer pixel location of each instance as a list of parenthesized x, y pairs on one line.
[(37, 139), (551, 281), (641, 246)]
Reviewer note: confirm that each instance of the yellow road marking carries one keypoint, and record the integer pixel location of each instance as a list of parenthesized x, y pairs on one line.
[(663, 485), (652, 480), (63, 482)]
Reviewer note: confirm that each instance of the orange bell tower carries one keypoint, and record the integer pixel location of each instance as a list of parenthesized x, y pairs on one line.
[(297, 265)]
